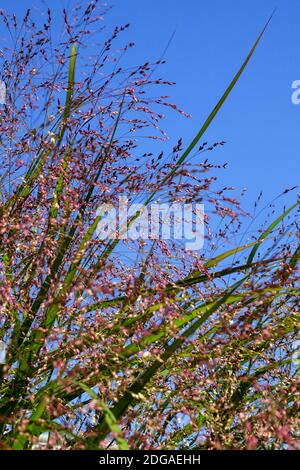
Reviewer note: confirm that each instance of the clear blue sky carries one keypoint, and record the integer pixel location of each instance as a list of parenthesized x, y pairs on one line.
[(259, 122)]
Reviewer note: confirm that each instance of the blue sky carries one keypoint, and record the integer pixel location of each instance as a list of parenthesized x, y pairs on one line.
[(259, 122)]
